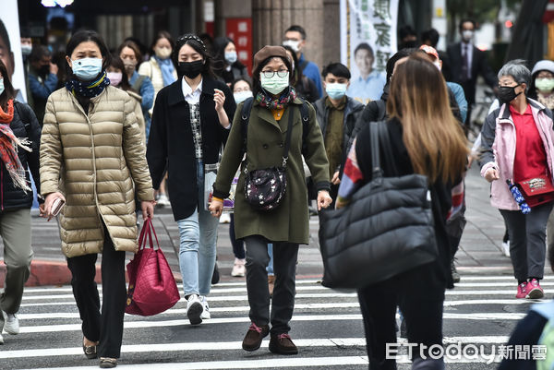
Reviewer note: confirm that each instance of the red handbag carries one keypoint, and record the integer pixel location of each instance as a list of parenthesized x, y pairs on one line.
[(152, 287), (537, 191)]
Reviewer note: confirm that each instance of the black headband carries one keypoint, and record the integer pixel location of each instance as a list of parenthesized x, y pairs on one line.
[(193, 37)]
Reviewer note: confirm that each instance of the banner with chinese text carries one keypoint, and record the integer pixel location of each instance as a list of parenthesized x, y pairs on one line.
[(368, 40)]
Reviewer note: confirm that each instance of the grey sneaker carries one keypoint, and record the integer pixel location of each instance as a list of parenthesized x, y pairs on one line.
[(194, 309), (11, 324)]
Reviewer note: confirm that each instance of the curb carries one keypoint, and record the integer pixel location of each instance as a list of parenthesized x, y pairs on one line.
[(47, 273)]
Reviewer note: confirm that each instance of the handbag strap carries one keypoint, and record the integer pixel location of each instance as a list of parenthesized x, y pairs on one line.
[(386, 146), (375, 156), (287, 141)]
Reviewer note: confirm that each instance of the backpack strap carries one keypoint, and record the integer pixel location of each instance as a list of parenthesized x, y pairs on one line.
[(303, 64), (386, 146), (244, 118), (305, 114)]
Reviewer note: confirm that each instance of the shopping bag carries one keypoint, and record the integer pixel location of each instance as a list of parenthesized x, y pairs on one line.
[(152, 287)]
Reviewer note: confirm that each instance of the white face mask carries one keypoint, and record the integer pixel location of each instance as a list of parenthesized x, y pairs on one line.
[(1, 85), (438, 65), (294, 45), (467, 35), (275, 84), (241, 96)]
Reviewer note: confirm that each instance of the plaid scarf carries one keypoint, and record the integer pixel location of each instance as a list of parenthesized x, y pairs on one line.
[(8, 146), (89, 89), (268, 101)]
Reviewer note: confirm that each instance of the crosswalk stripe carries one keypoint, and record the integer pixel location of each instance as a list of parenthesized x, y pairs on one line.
[(268, 363), (233, 345), (135, 324)]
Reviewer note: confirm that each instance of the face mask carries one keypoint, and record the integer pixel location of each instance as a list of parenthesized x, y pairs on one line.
[(467, 35), (506, 94), (438, 65), (115, 78), (231, 57), (1, 85), (87, 69), (163, 53), (335, 91), (241, 96), (295, 45), (545, 85), (130, 66), (275, 84), (26, 49), (191, 69)]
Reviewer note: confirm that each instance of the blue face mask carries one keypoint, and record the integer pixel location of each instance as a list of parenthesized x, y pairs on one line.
[(1, 85), (336, 91), (231, 57), (87, 69)]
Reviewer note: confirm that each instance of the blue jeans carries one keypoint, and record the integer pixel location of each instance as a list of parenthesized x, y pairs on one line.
[(198, 238), (270, 264)]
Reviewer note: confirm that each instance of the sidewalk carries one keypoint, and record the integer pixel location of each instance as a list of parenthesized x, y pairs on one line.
[(480, 250)]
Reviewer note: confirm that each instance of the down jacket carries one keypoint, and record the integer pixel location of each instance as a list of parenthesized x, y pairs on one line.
[(96, 161)]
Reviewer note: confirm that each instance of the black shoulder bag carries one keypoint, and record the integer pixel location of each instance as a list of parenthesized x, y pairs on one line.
[(387, 229)]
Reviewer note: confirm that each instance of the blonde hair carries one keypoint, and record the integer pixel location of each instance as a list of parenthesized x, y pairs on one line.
[(433, 137)]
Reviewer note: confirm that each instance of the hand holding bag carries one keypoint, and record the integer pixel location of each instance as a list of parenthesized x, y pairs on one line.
[(152, 287), (387, 228)]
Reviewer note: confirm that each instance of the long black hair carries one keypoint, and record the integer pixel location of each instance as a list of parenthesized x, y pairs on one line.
[(9, 92), (196, 43), (219, 45)]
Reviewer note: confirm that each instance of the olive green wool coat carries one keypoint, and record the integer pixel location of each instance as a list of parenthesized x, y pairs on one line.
[(97, 161), (265, 145)]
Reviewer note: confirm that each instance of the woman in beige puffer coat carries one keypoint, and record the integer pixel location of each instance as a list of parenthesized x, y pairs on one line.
[(92, 155)]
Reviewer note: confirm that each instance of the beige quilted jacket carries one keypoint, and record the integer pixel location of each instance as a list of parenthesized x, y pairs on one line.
[(96, 161)]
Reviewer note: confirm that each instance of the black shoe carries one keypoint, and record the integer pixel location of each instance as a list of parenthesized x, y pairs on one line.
[(90, 351), (106, 362), (282, 344), (215, 275)]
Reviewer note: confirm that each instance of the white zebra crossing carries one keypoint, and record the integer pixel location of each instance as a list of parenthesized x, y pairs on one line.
[(315, 306)]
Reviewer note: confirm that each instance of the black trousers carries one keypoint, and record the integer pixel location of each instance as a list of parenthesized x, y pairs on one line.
[(420, 295), (284, 266), (106, 327)]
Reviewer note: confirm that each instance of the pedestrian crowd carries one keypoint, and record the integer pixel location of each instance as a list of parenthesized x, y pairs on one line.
[(107, 134)]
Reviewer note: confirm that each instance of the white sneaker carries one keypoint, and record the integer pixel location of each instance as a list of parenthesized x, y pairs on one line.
[(506, 248), (206, 313), (194, 309), (163, 201), (225, 218), (11, 324), (239, 270)]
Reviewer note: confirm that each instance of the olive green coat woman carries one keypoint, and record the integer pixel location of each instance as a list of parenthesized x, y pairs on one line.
[(265, 145)]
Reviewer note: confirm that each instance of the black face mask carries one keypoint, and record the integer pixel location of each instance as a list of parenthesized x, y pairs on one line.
[(191, 69), (506, 94)]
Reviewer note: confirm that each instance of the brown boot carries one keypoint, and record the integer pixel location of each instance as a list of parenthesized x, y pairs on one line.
[(253, 339), (271, 284), (282, 344)]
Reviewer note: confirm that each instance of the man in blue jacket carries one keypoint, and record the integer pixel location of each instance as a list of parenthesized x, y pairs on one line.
[(295, 37)]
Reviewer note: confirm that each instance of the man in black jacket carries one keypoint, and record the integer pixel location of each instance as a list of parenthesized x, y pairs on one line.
[(337, 115), (467, 63)]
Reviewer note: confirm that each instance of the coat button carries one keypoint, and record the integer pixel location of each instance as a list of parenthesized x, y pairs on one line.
[(281, 144), (265, 146)]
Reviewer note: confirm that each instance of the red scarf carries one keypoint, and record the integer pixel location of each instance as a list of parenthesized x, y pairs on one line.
[(7, 117), (8, 149)]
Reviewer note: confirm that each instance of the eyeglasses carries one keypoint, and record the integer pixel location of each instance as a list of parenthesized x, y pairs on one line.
[(270, 74)]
